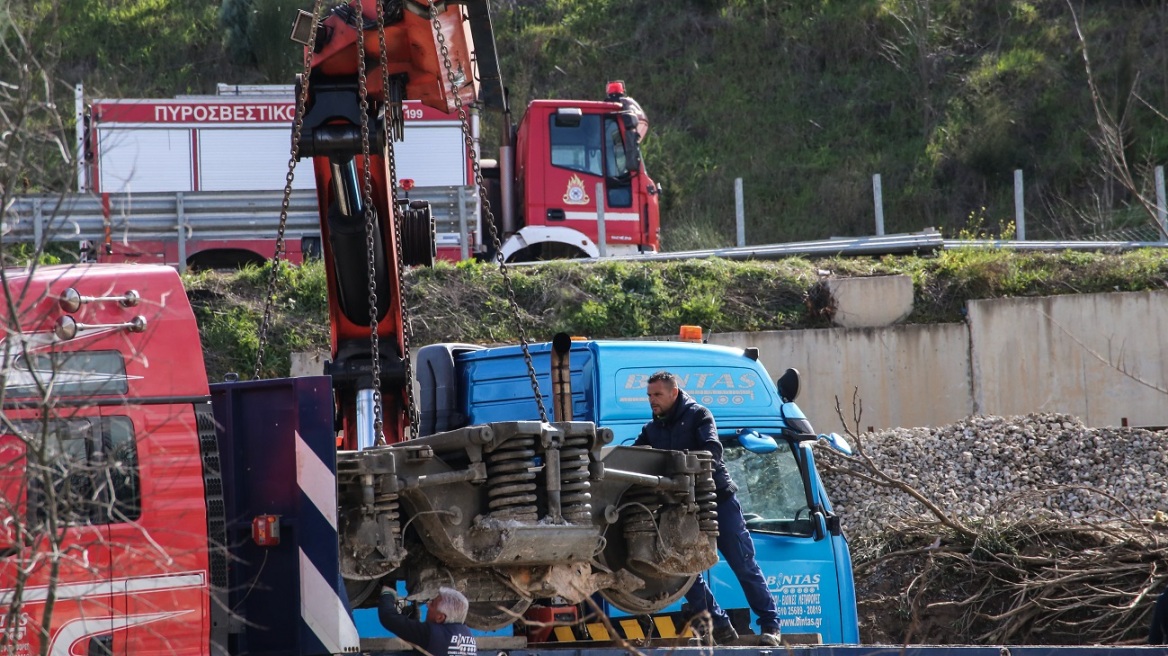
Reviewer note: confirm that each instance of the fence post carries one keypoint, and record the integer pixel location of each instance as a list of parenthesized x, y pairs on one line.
[(739, 212), (1161, 209), (1019, 207), (463, 245), (878, 200), (38, 228), (182, 233), (601, 237)]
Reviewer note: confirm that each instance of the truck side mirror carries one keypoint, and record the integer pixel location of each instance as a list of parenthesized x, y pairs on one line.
[(788, 385), (755, 442), (632, 157), (632, 148), (837, 442)]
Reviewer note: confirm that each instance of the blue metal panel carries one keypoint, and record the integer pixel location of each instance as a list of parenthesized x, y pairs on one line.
[(495, 386), (609, 381), (278, 447)]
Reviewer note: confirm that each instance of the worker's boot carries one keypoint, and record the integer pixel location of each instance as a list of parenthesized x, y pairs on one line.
[(724, 635), (770, 638)]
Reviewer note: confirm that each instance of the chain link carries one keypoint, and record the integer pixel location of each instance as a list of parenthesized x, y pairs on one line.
[(407, 324), (488, 217), (370, 228), (297, 126)]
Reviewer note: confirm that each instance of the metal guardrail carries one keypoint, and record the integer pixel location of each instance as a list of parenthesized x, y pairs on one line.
[(923, 242), (1053, 245), (928, 241), (209, 215)]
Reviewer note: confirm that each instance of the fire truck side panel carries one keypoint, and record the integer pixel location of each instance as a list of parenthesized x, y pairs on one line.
[(233, 159), (208, 253), (142, 160)]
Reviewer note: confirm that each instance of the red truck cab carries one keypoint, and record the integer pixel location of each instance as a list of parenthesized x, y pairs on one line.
[(103, 542), (563, 150)]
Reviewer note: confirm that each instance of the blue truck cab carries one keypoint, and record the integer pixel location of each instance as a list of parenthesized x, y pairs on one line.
[(799, 545)]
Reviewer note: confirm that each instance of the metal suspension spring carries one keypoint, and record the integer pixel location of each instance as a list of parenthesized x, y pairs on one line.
[(642, 505), (386, 505), (705, 493), (511, 480), (575, 486)]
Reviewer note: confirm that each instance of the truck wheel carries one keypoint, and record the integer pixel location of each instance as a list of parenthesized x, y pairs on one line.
[(657, 594)]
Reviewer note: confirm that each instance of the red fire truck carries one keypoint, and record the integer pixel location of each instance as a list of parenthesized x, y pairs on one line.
[(564, 167)]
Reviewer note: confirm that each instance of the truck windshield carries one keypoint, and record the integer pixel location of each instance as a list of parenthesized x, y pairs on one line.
[(770, 489), (578, 147), (73, 373)]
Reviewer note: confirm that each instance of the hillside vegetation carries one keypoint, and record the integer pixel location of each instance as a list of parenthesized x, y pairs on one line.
[(803, 100), (468, 302)]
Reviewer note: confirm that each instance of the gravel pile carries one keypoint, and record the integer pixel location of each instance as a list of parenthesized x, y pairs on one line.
[(1046, 466)]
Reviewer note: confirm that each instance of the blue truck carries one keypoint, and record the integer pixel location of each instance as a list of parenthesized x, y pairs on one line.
[(768, 443)]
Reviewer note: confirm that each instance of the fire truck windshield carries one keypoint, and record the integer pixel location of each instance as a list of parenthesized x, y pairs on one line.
[(578, 147)]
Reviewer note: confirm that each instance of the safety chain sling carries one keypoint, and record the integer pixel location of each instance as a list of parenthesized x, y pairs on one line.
[(298, 124), (392, 128), (370, 227), (489, 218)]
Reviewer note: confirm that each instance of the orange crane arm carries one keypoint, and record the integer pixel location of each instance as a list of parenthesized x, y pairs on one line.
[(420, 42)]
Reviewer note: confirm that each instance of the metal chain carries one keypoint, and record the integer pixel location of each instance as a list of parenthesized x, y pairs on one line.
[(297, 126), (370, 227), (489, 218), (407, 324)]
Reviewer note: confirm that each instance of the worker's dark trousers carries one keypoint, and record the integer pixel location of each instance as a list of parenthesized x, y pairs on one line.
[(738, 549), (1158, 635)]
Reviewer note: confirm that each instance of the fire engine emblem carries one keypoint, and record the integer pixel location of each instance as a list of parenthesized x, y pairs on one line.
[(575, 195)]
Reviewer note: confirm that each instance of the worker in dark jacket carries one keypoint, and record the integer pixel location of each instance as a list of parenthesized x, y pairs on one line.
[(1158, 635), (681, 424), (444, 633)]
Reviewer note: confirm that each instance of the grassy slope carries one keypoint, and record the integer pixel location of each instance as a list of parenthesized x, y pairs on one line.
[(468, 303)]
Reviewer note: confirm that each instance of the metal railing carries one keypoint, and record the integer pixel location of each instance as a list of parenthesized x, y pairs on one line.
[(205, 215)]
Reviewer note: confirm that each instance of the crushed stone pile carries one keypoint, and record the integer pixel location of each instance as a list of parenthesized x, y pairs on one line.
[(1005, 469)]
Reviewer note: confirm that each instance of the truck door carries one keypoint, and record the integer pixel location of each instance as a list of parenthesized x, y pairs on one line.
[(51, 514), (158, 527), (794, 547), (586, 150)]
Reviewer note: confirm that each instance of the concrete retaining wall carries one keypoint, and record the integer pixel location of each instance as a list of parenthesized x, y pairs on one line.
[(1100, 357), (909, 375)]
